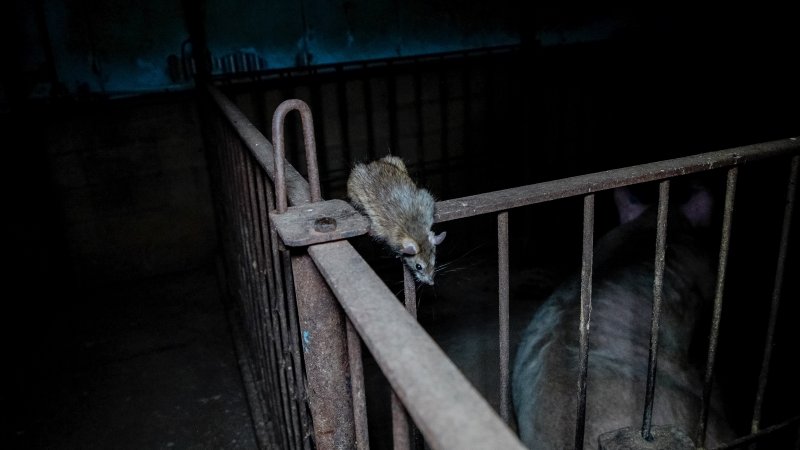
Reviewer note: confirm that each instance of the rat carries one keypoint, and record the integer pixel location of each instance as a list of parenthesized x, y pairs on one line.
[(400, 213)]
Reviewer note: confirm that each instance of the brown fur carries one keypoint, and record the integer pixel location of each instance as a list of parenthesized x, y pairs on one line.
[(400, 213)]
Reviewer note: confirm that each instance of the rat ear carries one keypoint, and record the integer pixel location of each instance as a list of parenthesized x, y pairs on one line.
[(409, 247), (436, 239)]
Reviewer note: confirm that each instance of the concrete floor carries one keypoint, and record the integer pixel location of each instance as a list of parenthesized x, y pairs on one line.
[(148, 364)]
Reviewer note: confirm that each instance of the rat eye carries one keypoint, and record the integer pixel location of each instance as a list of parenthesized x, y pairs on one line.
[(419, 267)]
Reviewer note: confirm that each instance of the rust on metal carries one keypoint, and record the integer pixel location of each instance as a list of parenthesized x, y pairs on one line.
[(297, 187), (314, 223), (326, 357), (357, 387), (791, 189), (309, 142), (503, 295), (727, 217), (658, 284), (587, 259), (401, 435), (496, 201), (738, 443), (448, 410), (401, 429)]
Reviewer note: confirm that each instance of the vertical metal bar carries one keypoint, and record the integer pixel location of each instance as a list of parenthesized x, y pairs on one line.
[(357, 387), (391, 93), (326, 357), (316, 102), (585, 315), (287, 361), (265, 192), (409, 292), (658, 281), (241, 175), (368, 110), (276, 311), (401, 429), (278, 120), (257, 289), (730, 193), (235, 162), (420, 122), (444, 119), (502, 269), (791, 188), (343, 114)]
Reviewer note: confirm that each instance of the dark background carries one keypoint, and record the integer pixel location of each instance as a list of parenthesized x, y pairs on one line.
[(106, 184)]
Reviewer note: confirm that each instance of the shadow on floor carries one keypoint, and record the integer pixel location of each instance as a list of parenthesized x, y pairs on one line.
[(148, 364)]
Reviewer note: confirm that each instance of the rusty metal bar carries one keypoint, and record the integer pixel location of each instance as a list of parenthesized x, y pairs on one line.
[(730, 193), (368, 110), (344, 114), (505, 199), (357, 387), (310, 144), (658, 281), (257, 291), (791, 188), (585, 315), (401, 439), (391, 105), (444, 143), (237, 206), (297, 187), (737, 443), (290, 352), (231, 164), (420, 119), (409, 292), (326, 357), (448, 410), (401, 429), (503, 295)]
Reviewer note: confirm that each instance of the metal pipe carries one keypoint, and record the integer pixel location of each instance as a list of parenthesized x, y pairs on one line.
[(585, 315), (401, 429), (326, 355), (357, 387), (492, 202), (730, 193), (310, 145), (658, 281), (791, 188), (503, 295)]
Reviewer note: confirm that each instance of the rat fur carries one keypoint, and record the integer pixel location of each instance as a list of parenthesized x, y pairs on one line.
[(400, 213)]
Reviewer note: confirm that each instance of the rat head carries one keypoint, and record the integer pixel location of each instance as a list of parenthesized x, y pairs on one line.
[(420, 257)]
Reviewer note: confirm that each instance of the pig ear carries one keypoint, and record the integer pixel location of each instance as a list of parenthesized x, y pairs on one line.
[(409, 247), (628, 206), (436, 239), (698, 208)]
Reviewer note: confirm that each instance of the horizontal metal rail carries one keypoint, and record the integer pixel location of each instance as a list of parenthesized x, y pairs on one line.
[(496, 201), (448, 410)]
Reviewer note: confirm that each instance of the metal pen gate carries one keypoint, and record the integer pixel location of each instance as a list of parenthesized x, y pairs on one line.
[(305, 298)]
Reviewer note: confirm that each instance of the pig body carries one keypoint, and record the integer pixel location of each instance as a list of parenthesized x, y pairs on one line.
[(545, 372)]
